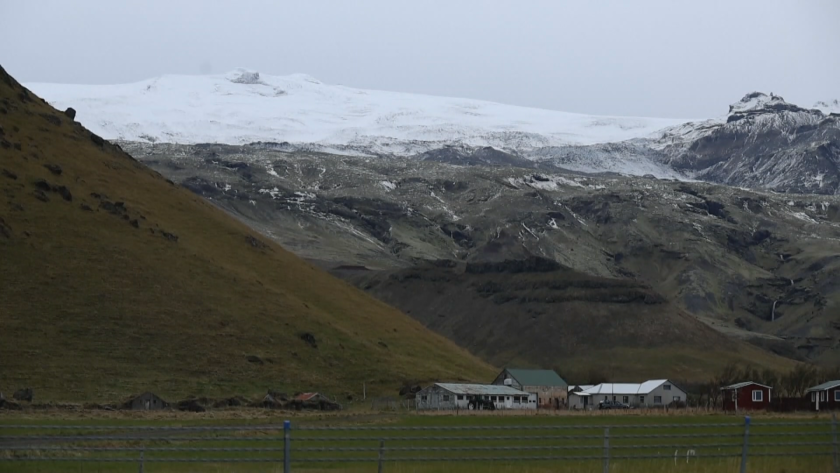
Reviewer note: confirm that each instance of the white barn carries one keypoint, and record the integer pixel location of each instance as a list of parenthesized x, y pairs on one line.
[(442, 396), (652, 393)]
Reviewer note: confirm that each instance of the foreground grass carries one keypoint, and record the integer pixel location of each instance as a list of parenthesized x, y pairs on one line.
[(578, 435)]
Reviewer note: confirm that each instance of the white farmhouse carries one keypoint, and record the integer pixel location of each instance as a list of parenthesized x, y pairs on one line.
[(653, 393), (440, 396)]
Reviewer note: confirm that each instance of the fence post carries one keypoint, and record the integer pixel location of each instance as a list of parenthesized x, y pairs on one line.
[(141, 460), (287, 446), (381, 454), (607, 450), (746, 447), (834, 441)]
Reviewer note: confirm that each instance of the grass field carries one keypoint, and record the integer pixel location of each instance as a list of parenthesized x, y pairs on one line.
[(669, 436)]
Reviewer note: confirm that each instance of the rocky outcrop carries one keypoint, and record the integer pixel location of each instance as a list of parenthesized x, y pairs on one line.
[(764, 142)]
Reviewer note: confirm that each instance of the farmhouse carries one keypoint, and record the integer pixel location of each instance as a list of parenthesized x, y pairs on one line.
[(473, 397), (748, 395), (825, 396), (547, 385), (145, 402), (653, 393)]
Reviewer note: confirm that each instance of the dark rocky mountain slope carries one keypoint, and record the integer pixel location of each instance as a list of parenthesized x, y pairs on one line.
[(764, 142), (753, 265)]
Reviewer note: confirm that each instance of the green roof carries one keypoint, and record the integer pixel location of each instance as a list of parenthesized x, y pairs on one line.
[(537, 377)]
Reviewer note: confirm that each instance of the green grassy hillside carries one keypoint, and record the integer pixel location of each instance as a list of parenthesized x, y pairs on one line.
[(113, 280), (536, 312)]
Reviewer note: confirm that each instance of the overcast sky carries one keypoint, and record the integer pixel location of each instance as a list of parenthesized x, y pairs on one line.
[(670, 58)]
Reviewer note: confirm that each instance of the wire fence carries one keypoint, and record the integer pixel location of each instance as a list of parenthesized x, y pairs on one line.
[(296, 446)]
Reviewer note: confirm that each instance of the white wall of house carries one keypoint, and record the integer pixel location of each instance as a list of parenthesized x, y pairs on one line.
[(665, 394)]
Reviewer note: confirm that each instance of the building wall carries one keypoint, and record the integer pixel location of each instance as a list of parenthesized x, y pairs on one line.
[(666, 395), (500, 380), (578, 402), (744, 398), (548, 396), (437, 398), (634, 400), (829, 403), (147, 401)]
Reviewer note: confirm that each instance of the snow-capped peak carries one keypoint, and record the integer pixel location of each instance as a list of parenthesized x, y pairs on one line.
[(828, 106), (754, 101)]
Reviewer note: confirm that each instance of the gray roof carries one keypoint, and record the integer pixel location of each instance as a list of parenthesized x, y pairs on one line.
[(481, 389), (744, 384), (624, 388), (537, 377), (824, 386)]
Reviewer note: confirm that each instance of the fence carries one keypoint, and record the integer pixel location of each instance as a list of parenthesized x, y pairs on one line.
[(336, 446)]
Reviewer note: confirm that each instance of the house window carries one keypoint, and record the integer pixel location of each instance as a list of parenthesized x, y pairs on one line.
[(657, 399), (813, 397), (460, 397), (606, 398), (641, 399), (423, 397), (822, 396), (758, 395), (676, 399), (837, 395), (666, 387), (446, 398), (625, 399)]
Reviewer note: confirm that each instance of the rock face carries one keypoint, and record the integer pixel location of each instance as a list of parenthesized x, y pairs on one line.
[(764, 142), (753, 265)]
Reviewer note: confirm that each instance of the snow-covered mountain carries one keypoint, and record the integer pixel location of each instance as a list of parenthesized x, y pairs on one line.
[(763, 142), (244, 106), (828, 106)]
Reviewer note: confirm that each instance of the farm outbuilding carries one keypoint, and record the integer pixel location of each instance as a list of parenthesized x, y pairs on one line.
[(652, 393), (747, 395), (825, 396), (146, 402), (551, 390), (445, 396)]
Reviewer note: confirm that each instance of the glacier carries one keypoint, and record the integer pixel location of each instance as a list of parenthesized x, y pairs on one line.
[(244, 106)]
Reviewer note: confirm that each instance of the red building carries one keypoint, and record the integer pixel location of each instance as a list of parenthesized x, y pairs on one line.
[(746, 396), (826, 396)]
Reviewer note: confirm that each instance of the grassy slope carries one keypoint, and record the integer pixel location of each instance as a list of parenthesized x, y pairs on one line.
[(93, 308), (577, 329)]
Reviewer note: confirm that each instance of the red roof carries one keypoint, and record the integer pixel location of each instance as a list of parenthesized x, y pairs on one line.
[(305, 396)]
